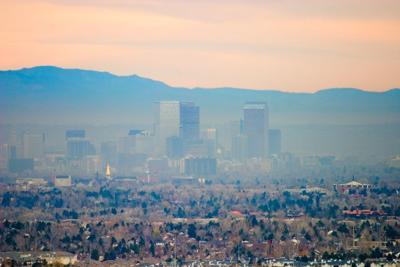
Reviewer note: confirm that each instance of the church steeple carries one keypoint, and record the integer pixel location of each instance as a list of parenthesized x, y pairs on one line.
[(108, 171)]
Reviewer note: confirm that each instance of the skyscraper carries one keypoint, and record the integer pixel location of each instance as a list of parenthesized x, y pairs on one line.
[(174, 147), (74, 134), (108, 152), (179, 119), (210, 138), (240, 147), (255, 127), (275, 141), (167, 123), (189, 128), (77, 146), (33, 145)]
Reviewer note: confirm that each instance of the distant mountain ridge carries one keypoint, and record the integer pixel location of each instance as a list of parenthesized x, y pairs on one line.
[(52, 94)]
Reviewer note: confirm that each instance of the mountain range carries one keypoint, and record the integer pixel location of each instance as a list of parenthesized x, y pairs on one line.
[(48, 94), (342, 121)]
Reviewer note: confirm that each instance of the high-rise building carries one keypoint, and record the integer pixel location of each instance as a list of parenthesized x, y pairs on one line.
[(210, 134), (167, 123), (144, 143), (126, 144), (77, 146), (74, 134), (200, 148), (92, 164), (228, 132), (20, 165), (189, 129), (33, 145), (275, 141), (199, 166), (174, 118), (255, 127), (240, 147), (210, 139), (108, 152), (174, 147), (136, 142), (7, 152)]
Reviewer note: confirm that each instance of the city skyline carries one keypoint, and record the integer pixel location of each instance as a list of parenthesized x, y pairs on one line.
[(199, 133), (289, 46)]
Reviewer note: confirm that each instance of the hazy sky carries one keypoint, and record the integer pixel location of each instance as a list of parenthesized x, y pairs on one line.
[(287, 45)]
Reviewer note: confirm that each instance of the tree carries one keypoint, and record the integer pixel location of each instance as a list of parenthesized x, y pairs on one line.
[(192, 231), (94, 255), (142, 242), (376, 253), (152, 248), (135, 248), (362, 257), (343, 229), (307, 236), (110, 256), (391, 232)]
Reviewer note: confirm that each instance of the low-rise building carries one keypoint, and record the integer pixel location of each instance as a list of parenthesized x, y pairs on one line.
[(30, 182), (62, 181), (351, 186)]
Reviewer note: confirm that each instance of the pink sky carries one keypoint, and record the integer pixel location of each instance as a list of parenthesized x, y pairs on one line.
[(288, 45)]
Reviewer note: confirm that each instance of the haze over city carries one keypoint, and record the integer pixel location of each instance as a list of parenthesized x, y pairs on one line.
[(199, 133)]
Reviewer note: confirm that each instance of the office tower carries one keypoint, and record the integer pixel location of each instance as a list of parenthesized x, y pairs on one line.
[(275, 141), (255, 127), (12, 152), (144, 143), (210, 139), (240, 147), (75, 134), (108, 152), (174, 147), (211, 134), (227, 132), (33, 145), (167, 123), (134, 132), (140, 142), (189, 128), (3, 156), (200, 166), (7, 152), (77, 146), (20, 165), (174, 118), (92, 164), (127, 144), (200, 148)]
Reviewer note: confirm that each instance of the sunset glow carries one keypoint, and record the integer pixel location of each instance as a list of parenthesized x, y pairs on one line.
[(284, 45)]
